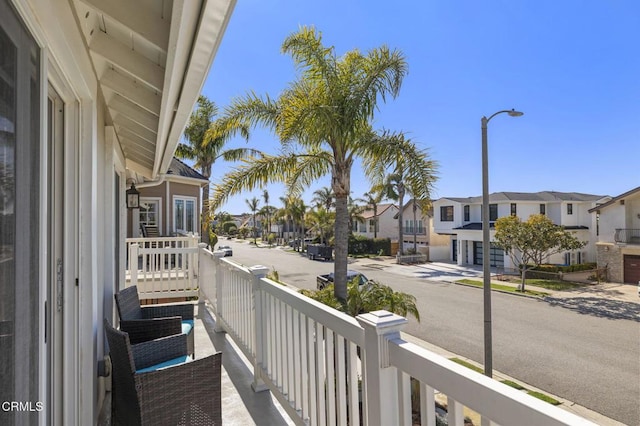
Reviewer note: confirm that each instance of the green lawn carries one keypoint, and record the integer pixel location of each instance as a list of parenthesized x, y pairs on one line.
[(553, 285), (507, 288)]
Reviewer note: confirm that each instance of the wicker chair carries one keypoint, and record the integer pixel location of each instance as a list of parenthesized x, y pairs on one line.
[(186, 393), (155, 321)]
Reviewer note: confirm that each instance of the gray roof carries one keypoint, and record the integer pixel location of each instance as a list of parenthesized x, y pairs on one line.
[(615, 199), (178, 168), (543, 197)]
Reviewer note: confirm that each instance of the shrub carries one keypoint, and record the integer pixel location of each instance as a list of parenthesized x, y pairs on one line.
[(359, 244)]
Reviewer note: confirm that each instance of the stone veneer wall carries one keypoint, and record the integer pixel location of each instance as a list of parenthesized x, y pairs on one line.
[(610, 255)]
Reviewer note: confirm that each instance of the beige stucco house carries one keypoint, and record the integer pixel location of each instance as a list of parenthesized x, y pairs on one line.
[(618, 236)]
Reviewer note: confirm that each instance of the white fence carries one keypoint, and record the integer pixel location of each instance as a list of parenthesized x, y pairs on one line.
[(327, 368), (163, 267)]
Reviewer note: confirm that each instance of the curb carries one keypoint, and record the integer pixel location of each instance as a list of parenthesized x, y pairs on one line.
[(530, 296)]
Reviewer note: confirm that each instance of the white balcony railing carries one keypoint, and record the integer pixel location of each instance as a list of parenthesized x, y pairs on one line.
[(327, 368), (163, 267)]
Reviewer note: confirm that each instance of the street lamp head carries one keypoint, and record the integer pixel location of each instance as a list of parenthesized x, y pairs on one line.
[(514, 113)]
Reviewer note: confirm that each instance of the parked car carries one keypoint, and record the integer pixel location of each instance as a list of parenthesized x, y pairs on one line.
[(323, 280), (227, 250)]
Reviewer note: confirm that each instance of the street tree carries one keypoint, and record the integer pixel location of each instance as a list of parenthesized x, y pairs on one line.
[(205, 142), (372, 199), (267, 210), (323, 197), (397, 178), (253, 206), (323, 121), (321, 220), (529, 244)]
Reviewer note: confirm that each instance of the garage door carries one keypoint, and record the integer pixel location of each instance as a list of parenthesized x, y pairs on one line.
[(496, 254), (631, 269)]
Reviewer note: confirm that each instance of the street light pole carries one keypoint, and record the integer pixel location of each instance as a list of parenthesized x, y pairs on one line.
[(486, 270)]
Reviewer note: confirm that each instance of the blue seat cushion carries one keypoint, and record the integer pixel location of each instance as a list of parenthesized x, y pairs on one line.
[(187, 326), (169, 363)]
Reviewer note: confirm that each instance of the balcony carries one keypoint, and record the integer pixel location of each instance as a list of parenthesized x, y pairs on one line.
[(627, 236), (315, 365), (163, 267), (413, 231)]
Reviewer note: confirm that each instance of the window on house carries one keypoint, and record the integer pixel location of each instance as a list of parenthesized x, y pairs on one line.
[(149, 212), (446, 213), (467, 213), (493, 212), (184, 214), (543, 209), (514, 209), (373, 224), (570, 208)]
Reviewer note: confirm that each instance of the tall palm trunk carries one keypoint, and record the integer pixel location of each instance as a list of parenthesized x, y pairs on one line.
[(341, 248), (375, 221), (341, 182), (204, 214), (415, 228), (400, 230)]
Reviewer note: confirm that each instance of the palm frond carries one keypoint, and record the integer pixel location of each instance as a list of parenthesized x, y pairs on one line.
[(254, 172), (238, 154), (248, 111), (309, 55), (310, 167)]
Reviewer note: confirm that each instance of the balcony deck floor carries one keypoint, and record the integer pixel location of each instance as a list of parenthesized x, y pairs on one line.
[(240, 404)]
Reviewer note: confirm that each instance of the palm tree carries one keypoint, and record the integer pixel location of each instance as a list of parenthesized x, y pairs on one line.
[(323, 120), (323, 197), (402, 178), (372, 296), (355, 213), (265, 197), (206, 139), (321, 219), (372, 199), (253, 206), (299, 209)]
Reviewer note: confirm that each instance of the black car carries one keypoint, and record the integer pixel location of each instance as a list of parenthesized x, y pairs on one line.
[(227, 250)]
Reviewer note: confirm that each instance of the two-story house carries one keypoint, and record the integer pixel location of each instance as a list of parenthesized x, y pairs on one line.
[(382, 225), (417, 231), (618, 236), (172, 202), (461, 220)]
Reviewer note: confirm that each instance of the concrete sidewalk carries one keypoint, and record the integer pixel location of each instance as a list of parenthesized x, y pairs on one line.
[(451, 272)]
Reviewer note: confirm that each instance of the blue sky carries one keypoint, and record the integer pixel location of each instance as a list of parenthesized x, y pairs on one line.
[(573, 68)]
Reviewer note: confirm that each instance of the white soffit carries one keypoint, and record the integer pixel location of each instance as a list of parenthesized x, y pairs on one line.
[(151, 58)]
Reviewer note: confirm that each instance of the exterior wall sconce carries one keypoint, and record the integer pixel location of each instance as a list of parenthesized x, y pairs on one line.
[(133, 197)]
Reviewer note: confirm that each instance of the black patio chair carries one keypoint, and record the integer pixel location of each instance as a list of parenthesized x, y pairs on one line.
[(153, 321), (156, 383)]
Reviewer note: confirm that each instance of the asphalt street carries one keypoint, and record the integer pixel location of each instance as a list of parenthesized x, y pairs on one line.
[(584, 356)]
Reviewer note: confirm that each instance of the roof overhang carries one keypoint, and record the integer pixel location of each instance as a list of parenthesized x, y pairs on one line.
[(151, 59)]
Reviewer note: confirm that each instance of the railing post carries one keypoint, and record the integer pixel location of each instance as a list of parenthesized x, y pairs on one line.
[(380, 380), (218, 328), (259, 323), (133, 263), (195, 269)]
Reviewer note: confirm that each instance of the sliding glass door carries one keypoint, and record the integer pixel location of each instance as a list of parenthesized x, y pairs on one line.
[(20, 323)]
